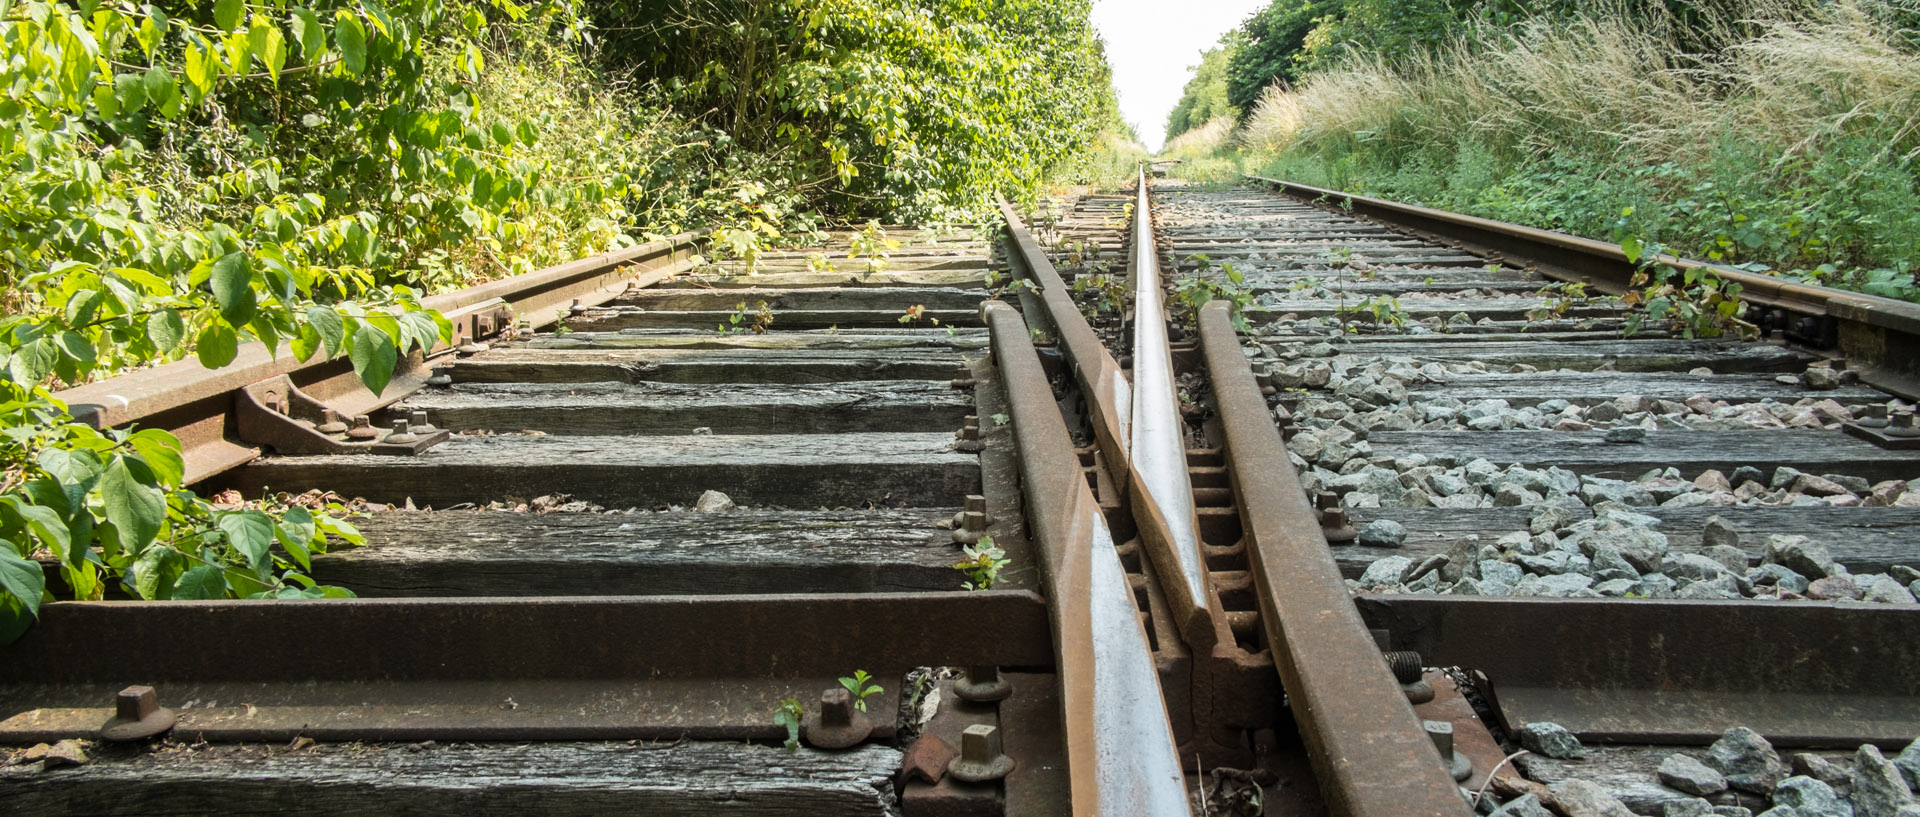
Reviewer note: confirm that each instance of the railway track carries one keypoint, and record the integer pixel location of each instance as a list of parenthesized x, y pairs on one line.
[(676, 497)]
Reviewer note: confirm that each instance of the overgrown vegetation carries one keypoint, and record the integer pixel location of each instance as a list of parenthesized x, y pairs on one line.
[(1776, 135), (184, 178)]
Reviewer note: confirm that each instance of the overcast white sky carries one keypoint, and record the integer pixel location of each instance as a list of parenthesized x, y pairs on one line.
[(1152, 43)]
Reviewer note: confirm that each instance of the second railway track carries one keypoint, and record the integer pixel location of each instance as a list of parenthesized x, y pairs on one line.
[(689, 499)]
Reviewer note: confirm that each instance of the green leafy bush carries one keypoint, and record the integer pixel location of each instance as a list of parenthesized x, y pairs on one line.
[(906, 109)]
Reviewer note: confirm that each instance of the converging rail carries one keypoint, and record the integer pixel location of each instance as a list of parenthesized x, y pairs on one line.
[(690, 535)]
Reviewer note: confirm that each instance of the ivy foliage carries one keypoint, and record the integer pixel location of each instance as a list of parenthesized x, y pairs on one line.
[(902, 109)]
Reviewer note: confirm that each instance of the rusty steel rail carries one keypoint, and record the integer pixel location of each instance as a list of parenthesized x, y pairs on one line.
[(1367, 747), (1120, 746), (197, 404), (1108, 393), (1880, 337)]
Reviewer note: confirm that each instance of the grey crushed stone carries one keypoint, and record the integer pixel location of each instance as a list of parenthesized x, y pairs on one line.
[(1685, 774), (1550, 739), (1747, 759)]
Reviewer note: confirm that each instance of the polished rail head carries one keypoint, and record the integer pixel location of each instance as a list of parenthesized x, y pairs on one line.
[(1163, 498), (1120, 749)]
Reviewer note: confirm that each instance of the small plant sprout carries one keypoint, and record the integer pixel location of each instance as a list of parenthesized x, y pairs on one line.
[(872, 245), (560, 321), (789, 715), (1194, 291), (858, 686), (819, 262), (1000, 419), (757, 319), (915, 313), (982, 564)]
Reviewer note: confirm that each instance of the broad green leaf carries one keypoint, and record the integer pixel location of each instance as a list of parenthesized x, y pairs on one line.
[(373, 357), (232, 282), (226, 13), (201, 582), (296, 531), (327, 322), (76, 346), (419, 329), (161, 451), (15, 620), (46, 525), (154, 573), (308, 32), (69, 465), (351, 38), (136, 510), (161, 90), (152, 31), (217, 345), (166, 330), (202, 66), (251, 533), (32, 363), (130, 90), (22, 579), (268, 45), (341, 528), (153, 284), (304, 343), (1631, 246)]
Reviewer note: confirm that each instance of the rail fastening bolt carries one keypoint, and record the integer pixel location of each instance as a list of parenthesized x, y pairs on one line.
[(362, 428), (839, 725), (401, 434), (333, 424), (442, 376), (1902, 425), (417, 420), (1441, 732), (137, 714), (1411, 672), (982, 685), (1334, 525), (981, 758)]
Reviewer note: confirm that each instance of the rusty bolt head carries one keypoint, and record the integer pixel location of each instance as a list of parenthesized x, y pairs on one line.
[(401, 433), (333, 424), (362, 428), (981, 758), (1441, 732), (1326, 500), (137, 714), (982, 685), (838, 724)]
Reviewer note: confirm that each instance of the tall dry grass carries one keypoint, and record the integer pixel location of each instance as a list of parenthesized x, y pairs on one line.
[(1781, 132), (1619, 81)]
